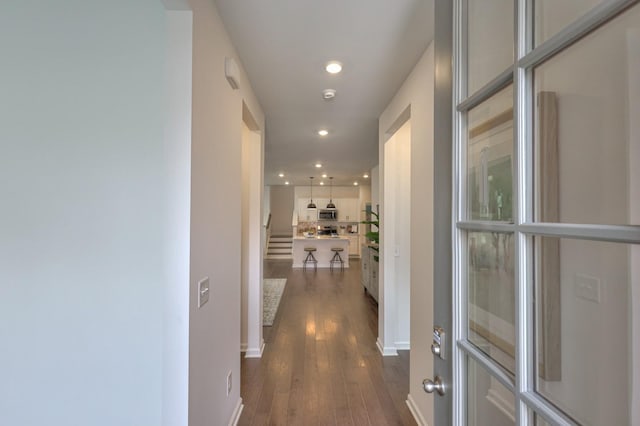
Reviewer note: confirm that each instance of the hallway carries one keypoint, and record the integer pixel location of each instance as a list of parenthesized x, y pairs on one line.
[(321, 365)]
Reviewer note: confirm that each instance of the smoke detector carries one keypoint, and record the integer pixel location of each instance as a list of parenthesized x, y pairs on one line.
[(328, 94)]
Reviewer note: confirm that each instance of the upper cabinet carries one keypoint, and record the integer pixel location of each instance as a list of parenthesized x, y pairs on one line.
[(321, 203), (348, 209), (305, 214)]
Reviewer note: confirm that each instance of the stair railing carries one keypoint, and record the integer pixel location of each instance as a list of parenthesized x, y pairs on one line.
[(267, 233)]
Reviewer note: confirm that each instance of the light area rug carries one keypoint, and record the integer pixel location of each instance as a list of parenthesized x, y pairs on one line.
[(271, 294)]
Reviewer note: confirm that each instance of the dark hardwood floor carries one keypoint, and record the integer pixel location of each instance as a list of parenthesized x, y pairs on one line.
[(321, 365)]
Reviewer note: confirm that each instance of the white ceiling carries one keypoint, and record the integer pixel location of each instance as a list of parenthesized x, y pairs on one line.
[(284, 46)]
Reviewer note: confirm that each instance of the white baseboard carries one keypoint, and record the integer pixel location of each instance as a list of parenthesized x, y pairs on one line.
[(415, 411), (254, 353), (386, 351), (237, 412), (403, 346)]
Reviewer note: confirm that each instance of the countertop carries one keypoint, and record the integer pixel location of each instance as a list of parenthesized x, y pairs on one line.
[(320, 237)]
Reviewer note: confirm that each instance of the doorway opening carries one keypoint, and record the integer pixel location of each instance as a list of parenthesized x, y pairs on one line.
[(252, 342), (395, 238)]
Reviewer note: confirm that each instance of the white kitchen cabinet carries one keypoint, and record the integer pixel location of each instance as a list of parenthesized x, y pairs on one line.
[(365, 267), (369, 276), (354, 245), (373, 277), (338, 204), (305, 214), (321, 203), (358, 214), (348, 209)]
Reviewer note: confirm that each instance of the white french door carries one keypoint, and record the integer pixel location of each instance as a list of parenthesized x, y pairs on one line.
[(546, 230)]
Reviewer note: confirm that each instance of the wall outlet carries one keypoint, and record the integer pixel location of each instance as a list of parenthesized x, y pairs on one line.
[(203, 291), (229, 383), (587, 288)]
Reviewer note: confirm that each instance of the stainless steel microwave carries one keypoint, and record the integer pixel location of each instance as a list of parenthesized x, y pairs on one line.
[(328, 214)]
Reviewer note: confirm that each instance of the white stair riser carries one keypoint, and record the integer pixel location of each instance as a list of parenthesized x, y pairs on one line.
[(278, 256), (280, 247)]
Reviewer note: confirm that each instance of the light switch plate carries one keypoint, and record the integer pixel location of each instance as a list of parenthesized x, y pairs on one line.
[(203, 291), (587, 288)]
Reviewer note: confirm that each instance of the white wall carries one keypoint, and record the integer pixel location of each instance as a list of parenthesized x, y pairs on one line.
[(417, 91), (282, 206), (375, 188), (338, 191), (84, 217), (175, 388), (216, 219), (365, 196)]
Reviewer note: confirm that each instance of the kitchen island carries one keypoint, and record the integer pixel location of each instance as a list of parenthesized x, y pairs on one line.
[(323, 253)]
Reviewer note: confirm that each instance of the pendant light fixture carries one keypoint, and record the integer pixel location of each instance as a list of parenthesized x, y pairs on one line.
[(331, 205), (311, 204)]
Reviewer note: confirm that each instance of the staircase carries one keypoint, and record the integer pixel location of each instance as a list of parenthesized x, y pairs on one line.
[(279, 247)]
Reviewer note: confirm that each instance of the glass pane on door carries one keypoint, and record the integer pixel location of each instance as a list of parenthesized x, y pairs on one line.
[(539, 420), (587, 128), (490, 158), (488, 401), (491, 295), (587, 294), (578, 146), (490, 40), (551, 16)]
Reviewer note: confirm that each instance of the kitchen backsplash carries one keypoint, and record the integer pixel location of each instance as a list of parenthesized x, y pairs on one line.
[(343, 227)]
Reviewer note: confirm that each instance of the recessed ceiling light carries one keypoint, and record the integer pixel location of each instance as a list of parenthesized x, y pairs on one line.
[(333, 67), (328, 94), (366, 176), (281, 174), (323, 132), (321, 183), (324, 175), (286, 183), (355, 183), (318, 165)]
